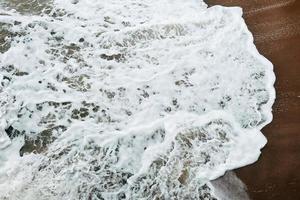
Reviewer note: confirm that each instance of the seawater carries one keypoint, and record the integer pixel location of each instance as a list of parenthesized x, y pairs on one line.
[(127, 99)]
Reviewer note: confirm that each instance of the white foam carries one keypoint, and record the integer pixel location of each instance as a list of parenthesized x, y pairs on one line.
[(160, 98)]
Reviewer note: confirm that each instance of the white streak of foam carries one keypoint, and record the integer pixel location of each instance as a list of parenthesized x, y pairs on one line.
[(270, 7)]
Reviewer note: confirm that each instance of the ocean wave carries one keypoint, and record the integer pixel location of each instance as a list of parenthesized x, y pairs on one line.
[(127, 99)]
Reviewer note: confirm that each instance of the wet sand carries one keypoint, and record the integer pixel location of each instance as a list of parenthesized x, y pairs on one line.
[(275, 25)]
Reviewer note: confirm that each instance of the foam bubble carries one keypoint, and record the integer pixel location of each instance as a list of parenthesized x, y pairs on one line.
[(129, 99)]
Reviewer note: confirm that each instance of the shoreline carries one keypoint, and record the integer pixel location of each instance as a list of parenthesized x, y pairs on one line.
[(275, 26)]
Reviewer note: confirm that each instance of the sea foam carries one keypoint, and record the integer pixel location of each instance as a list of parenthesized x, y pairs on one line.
[(127, 99)]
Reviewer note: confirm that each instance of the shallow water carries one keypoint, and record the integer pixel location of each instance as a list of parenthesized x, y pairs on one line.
[(5, 36), (31, 7), (128, 99)]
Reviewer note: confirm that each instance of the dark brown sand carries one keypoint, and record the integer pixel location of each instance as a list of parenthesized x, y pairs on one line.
[(275, 25)]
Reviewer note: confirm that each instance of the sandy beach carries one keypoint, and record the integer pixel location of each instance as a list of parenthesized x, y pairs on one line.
[(275, 25)]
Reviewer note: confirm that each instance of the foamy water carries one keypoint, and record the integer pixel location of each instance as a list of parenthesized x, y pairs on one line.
[(127, 99)]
